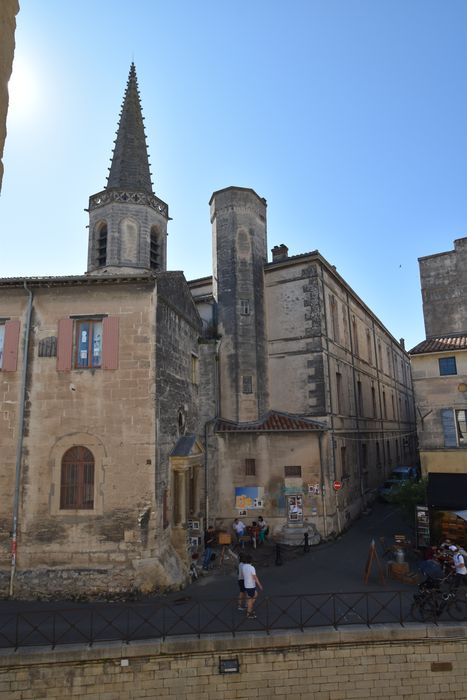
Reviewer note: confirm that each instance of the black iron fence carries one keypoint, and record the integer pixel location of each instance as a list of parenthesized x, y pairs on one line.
[(89, 624)]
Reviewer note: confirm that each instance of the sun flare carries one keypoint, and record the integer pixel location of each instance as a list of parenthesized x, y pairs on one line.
[(23, 89)]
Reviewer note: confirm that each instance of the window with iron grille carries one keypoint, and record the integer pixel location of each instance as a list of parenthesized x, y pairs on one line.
[(247, 384), (77, 479), (245, 307), (293, 470), (250, 467)]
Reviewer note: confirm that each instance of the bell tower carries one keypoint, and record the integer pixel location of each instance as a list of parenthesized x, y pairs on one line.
[(127, 222)]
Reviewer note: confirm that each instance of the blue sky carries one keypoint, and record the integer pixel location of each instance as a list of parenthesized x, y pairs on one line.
[(348, 116)]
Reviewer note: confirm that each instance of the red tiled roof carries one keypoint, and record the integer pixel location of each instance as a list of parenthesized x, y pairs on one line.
[(443, 343), (273, 421)]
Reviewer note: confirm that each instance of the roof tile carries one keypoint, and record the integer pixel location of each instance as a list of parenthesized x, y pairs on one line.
[(442, 343), (273, 421)]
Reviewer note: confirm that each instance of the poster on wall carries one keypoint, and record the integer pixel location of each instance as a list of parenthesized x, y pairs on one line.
[(249, 497)]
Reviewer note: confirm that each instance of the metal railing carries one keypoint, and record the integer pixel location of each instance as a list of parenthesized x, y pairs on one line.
[(89, 624)]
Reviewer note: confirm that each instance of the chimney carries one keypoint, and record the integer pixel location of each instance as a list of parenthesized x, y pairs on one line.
[(402, 343), (280, 252)]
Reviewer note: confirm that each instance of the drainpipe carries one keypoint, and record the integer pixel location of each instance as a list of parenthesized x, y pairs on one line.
[(19, 447)]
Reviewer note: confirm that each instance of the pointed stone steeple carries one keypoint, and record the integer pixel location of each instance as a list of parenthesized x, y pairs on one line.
[(130, 164), (127, 222)]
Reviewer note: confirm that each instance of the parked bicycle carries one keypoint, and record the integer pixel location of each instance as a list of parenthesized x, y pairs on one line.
[(431, 601)]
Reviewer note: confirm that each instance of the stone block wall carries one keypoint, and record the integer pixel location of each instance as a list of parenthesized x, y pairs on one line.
[(353, 664)]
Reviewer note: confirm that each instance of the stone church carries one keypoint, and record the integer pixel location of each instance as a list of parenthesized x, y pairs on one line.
[(137, 407)]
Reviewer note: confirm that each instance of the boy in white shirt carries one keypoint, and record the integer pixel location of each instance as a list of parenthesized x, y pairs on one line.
[(250, 581)]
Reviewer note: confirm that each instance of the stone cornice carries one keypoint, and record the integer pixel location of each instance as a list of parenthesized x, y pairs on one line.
[(128, 197)]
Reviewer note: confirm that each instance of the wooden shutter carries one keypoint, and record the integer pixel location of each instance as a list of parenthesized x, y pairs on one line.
[(110, 342), (10, 346), (449, 427), (64, 344)]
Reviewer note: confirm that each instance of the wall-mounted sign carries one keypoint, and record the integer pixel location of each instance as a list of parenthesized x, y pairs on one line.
[(249, 497), (313, 489)]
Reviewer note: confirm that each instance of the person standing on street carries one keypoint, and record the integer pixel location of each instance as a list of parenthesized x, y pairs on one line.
[(209, 542), (241, 583), (459, 565), (239, 528), (251, 582)]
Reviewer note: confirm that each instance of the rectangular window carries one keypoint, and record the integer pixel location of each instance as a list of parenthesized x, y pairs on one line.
[(250, 467), (454, 427), (339, 392), (343, 461), (245, 307), (373, 401), (293, 471), (461, 423), (2, 340), (334, 319), (88, 344), (247, 384), (359, 399), (378, 455), (447, 365), (194, 369)]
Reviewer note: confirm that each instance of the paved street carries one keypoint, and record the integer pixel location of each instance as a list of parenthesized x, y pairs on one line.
[(332, 567), (308, 590)]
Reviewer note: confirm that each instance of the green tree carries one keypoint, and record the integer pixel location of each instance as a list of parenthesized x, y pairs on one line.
[(409, 495)]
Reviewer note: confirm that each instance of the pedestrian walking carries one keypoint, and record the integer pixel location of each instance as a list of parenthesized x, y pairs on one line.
[(251, 583), (241, 583), (209, 542), (460, 577)]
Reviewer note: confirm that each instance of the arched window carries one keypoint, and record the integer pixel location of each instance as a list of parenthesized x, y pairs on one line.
[(77, 479), (102, 246), (154, 250)]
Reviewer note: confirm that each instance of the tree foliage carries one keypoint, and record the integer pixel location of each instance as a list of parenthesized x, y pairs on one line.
[(409, 495)]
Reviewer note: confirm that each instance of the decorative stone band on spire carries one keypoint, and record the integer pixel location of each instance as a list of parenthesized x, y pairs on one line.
[(114, 195)]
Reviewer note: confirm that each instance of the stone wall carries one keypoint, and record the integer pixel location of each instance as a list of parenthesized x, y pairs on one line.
[(443, 280), (8, 12), (414, 663), (119, 544)]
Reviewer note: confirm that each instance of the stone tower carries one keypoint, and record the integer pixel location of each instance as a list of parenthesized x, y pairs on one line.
[(127, 222), (238, 217)]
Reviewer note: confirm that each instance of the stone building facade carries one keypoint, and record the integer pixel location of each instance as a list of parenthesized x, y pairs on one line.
[(313, 388), (137, 408), (439, 370)]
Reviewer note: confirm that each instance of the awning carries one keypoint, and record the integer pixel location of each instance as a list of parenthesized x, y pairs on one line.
[(447, 492), (461, 513)]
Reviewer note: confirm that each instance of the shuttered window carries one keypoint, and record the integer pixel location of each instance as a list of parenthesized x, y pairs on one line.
[(447, 365), (87, 343), (449, 427), (77, 479), (9, 338), (454, 427)]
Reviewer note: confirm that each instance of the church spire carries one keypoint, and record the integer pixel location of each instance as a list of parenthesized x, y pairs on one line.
[(127, 222), (130, 164)]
